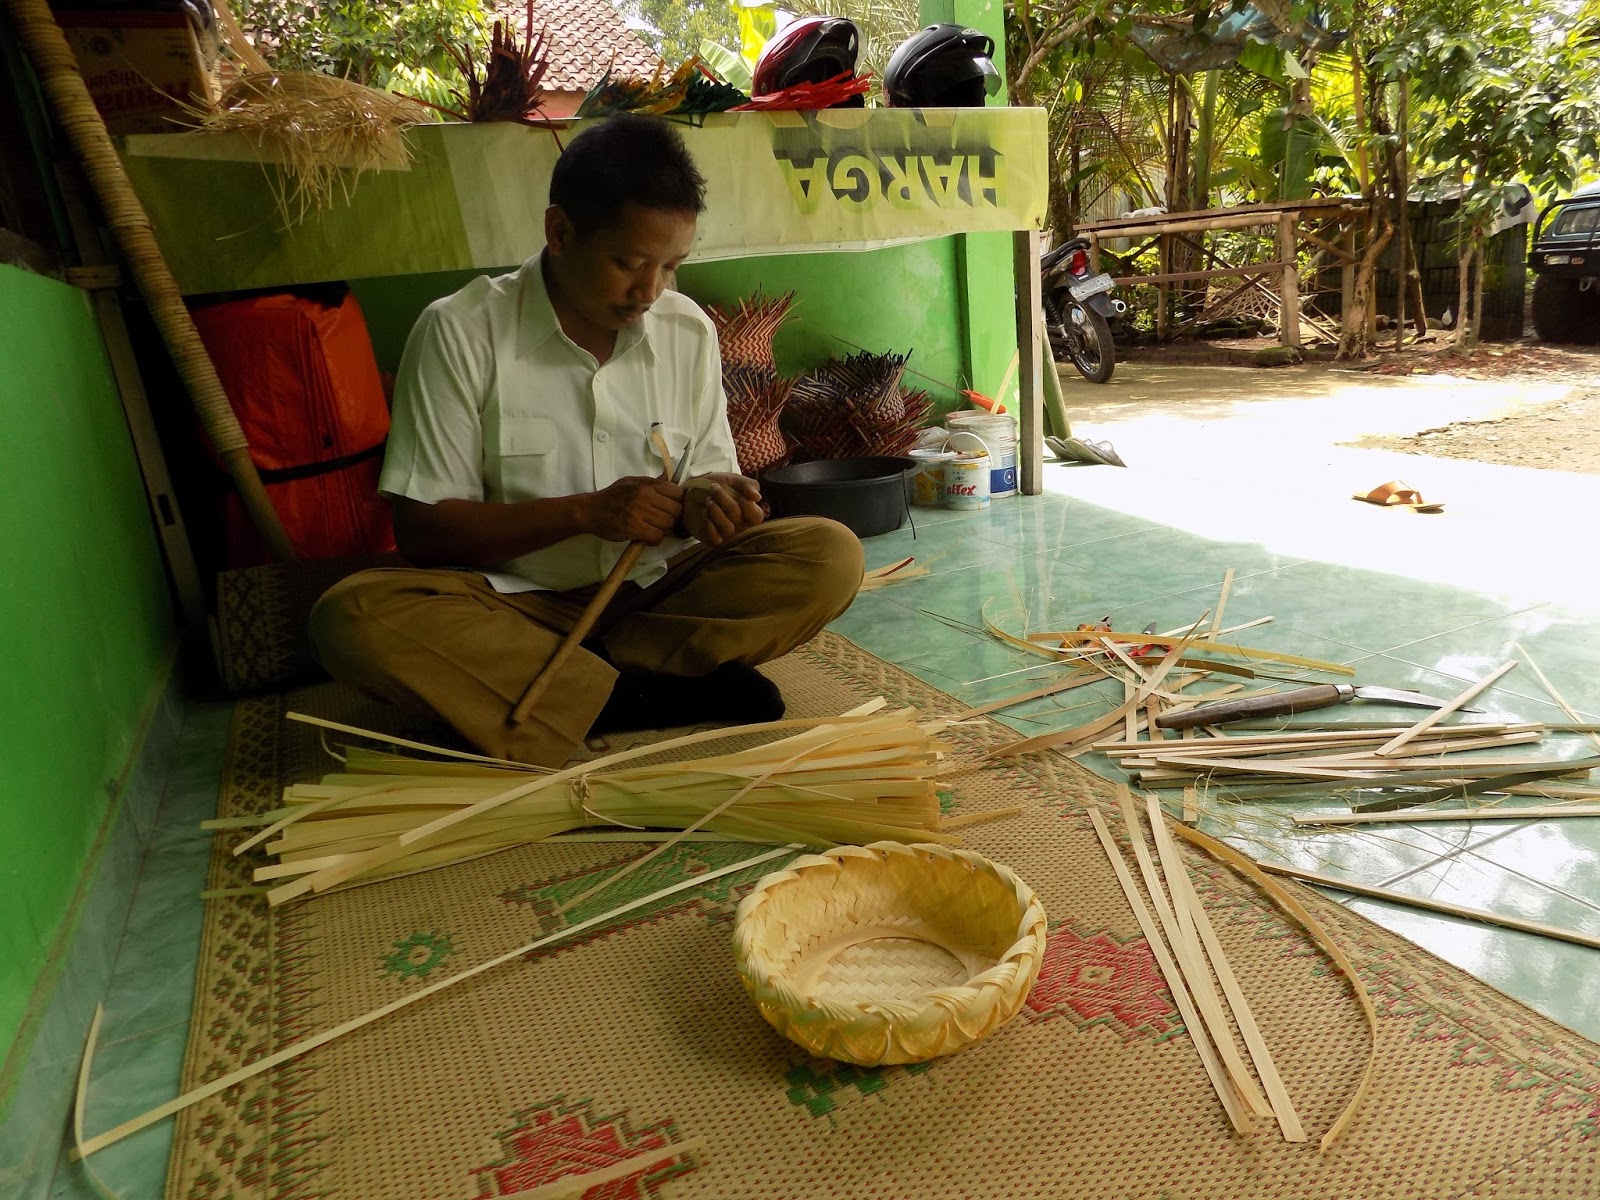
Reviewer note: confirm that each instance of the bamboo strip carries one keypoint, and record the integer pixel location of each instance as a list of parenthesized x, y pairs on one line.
[(1561, 701), (1520, 924), (1238, 1115), (979, 818), (1076, 679), (410, 840), (1185, 945), (1416, 816), (711, 814), (568, 1187), (1439, 714), (1076, 637), (289, 1053), (1222, 603), (1287, 901), (1050, 741), (1185, 897), (391, 739), (80, 1100)]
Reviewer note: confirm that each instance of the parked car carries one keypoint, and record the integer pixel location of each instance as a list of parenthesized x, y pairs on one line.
[(1565, 260)]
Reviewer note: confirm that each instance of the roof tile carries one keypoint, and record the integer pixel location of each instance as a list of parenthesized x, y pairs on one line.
[(585, 38)]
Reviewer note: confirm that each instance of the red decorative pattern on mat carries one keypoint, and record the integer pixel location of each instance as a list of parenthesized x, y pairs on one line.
[(559, 1139), (1098, 980)]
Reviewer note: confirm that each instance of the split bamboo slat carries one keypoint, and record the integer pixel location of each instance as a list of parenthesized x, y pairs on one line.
[(1239, 1115), (1285, 900), (1186, 899), (1576, 937), (1439, 714), (85, 1147), (869, 775), (74, 109)]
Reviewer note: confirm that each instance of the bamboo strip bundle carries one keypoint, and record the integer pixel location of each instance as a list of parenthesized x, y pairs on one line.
[(863, 777)]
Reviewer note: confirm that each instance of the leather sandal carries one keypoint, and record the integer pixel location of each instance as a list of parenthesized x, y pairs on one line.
[(1396, 494)]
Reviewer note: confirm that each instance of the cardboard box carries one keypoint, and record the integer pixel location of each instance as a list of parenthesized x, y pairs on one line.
[(142, 68)]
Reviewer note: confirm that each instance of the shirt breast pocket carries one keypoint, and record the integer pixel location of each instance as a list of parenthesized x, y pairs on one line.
[(527, 462)]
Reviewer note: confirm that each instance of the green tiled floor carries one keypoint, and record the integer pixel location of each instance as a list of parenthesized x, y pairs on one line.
[(1052, 561)]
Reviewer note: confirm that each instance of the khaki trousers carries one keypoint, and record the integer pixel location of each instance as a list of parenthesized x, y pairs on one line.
[(444, 642)]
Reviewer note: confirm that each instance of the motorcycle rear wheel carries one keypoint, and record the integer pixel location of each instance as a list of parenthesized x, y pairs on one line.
[(1088, 344)]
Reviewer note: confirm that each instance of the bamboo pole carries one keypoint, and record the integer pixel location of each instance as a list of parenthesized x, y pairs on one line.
[(75, 111)]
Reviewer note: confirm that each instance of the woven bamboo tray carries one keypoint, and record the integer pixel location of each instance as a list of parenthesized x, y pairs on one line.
[(889, 953)]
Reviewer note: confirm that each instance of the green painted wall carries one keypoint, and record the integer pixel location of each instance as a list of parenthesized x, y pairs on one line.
[(84, 607), (896, 299)]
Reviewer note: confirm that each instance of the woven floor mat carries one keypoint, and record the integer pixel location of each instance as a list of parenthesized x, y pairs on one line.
[(633, 1051)]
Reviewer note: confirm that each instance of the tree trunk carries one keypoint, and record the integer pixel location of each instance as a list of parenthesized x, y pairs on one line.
[(1481, 244), (1354, 342), (1464, 250)]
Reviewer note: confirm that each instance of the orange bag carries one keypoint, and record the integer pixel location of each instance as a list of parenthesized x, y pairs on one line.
[(302, 379)]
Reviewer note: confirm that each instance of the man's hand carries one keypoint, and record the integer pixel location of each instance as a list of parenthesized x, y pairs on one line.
[(715, 507), (634, 509)]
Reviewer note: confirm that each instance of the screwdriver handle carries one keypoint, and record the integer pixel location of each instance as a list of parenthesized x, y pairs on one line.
[(1276, 705)]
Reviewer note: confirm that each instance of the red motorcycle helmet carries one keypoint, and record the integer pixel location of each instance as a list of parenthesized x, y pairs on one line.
[(810, 50), (942, 66)]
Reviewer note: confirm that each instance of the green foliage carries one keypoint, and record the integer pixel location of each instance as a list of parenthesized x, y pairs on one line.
[(1511, 101), (380, 43), (676, 29)]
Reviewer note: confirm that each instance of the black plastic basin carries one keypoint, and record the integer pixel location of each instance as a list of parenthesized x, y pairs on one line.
[(866, 494)]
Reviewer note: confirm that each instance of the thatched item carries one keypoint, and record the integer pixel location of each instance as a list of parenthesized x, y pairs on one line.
[(756, 399), (889, 953), (707, 94), (321, 131), (854, 407), (864, 776)]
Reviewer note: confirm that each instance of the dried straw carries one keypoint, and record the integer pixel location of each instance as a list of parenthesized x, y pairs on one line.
[(315, 134)]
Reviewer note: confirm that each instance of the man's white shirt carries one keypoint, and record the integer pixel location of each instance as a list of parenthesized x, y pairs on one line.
[(493, 402)]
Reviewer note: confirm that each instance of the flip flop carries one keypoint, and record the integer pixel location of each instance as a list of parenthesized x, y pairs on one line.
[(1396, 494)]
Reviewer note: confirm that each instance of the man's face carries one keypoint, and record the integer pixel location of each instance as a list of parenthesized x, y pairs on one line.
[(612, 276)]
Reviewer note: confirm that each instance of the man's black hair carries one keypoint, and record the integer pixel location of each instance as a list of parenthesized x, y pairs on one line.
[(626, 159)]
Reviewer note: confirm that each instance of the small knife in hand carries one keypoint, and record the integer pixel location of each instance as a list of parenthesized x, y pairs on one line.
[(1323, 695)]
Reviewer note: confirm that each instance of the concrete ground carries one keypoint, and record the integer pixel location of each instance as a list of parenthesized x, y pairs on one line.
[(1255, 455)]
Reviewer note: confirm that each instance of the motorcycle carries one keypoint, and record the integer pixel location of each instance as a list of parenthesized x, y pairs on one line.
[(1078, 310)]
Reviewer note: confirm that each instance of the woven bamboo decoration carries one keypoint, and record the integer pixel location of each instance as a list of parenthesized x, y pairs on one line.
[(74, 110), (745, 332), (889, 953), (756, 397), (856, 406)]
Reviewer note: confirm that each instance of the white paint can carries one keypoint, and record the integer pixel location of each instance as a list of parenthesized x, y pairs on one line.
[(926, 485), (966, 481), (999, 436)]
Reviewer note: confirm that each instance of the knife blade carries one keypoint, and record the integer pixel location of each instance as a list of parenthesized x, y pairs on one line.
[(1322, 695)]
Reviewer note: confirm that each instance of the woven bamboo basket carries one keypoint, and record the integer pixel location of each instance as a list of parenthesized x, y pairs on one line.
[(889, 953)]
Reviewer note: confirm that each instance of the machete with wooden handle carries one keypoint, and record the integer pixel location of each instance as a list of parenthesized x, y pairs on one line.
[(1323, 695)]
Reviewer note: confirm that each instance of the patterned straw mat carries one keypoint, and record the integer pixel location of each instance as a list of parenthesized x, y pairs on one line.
[(632, 1049)]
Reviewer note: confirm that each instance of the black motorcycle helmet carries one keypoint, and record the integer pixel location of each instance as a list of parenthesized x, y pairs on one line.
[(942, 66), (810, 50)]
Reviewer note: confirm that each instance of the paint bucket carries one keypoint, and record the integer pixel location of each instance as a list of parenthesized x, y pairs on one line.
[(966, 481), (926, 486), (999, 436)]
